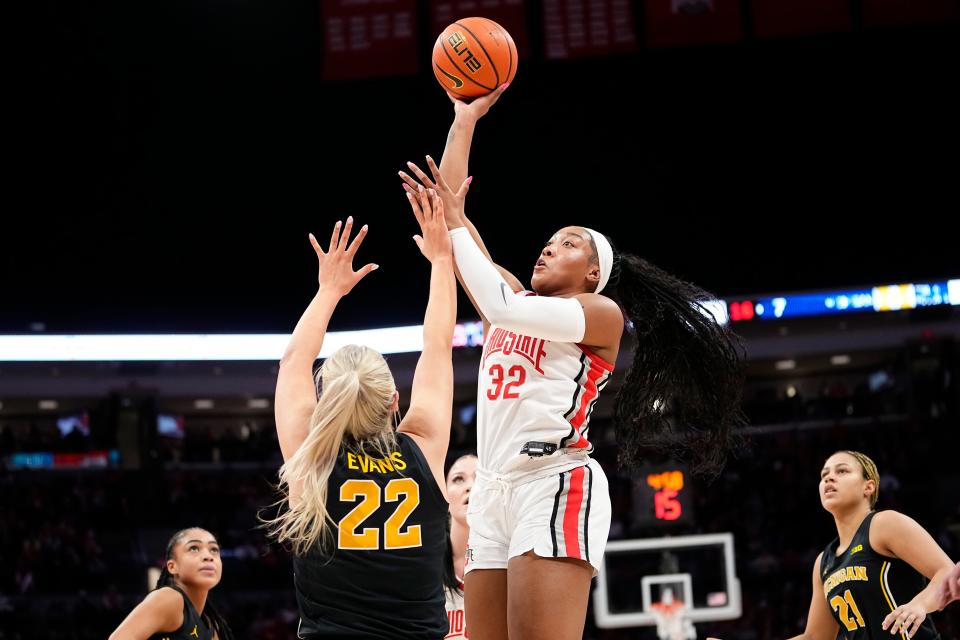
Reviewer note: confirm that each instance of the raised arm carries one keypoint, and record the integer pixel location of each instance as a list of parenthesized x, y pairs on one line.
[(454, 168), (587, 318), (296, 391), (454, 163), (431, 399)]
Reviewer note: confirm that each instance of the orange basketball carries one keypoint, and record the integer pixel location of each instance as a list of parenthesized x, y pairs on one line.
[(474, 56)]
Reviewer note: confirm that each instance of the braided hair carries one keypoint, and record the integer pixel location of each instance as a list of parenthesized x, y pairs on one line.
[(681, 397), (210, 614)]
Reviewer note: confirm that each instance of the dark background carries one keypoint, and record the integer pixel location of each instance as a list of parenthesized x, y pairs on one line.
[(166, 161), (170, 158)]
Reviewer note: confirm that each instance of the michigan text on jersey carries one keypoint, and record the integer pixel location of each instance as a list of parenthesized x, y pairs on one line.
[(844, 575)]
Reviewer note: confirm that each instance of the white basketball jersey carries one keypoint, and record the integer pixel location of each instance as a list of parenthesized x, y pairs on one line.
[(458, 622), (534, 390)]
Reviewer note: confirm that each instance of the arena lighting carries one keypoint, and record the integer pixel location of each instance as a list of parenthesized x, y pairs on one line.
[(840, 360), (409, 339), (214, 347), (875, 299), (785, 365), (718, 309), (258, 403), (184, 347)]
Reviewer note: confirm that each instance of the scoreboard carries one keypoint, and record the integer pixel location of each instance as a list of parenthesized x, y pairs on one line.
[(662, 496)]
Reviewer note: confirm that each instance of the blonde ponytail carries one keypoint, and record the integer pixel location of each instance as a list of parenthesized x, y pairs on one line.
[(353, 413)]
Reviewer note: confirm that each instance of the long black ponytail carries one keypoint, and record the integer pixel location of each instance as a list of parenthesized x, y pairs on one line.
[(681, 398), (210, 614)]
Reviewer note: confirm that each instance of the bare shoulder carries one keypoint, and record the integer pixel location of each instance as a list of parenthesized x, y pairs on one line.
[(165, 599), (889, 527), (165, 607), (603, 313), (601, 304), (886, 521), (604, 324)]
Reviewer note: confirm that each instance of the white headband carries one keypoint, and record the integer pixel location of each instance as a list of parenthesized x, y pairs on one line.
[(604, 256)]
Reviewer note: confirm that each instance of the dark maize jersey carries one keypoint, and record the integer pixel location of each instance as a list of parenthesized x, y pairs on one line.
[(862, 587), (382, 576), (193, 627)]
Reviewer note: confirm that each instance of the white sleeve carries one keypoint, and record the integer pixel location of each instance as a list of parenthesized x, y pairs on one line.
[(554, 319)]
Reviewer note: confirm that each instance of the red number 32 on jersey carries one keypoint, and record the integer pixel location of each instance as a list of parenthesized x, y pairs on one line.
[(504, 385)]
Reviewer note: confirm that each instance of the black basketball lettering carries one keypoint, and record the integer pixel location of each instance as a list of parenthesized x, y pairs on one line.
[(480, 53), (464, 73), (486, 53), (459, 44)]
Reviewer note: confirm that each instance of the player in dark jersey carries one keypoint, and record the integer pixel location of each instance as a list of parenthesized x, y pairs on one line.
[(873, 574), (178, 609), (364, 507), (869, 583)]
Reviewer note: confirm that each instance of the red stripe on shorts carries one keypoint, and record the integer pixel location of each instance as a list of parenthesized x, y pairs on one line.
[(571, 515)]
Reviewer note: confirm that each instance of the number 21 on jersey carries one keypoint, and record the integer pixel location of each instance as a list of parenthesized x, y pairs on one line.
[(844, 605)]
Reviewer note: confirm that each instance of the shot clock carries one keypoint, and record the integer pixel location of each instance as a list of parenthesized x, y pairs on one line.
[(662, 496)]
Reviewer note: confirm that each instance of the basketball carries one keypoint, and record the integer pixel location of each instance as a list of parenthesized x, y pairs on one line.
[(474, 56)]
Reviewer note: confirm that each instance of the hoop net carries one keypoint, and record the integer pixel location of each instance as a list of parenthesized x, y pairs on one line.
[(671, 623)]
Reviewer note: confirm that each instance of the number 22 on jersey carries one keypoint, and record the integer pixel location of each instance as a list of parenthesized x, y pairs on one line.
[(368, 493)]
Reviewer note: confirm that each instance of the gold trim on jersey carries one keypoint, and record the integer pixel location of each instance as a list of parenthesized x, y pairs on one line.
[(887, 594)]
